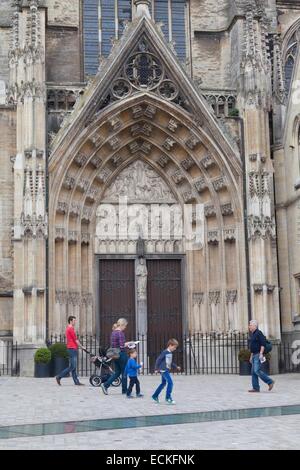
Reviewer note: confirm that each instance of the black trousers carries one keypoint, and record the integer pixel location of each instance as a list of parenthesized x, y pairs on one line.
[(132, 381)]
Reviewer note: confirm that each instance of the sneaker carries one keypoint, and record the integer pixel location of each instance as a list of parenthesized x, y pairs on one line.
[(58, 380), (104, 389), (139, 395), (253, 390), (129, 396), (169, 401), (271, 385), (79, 383), (155, 399)]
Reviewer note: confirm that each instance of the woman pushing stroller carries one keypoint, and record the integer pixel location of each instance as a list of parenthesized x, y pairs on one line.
[(118, 341)]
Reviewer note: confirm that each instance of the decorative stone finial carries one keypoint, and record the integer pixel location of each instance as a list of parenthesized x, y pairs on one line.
[(142, 8)]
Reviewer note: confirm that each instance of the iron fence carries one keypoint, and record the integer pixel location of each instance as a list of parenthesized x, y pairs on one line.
[(9, 361), (197, 353)]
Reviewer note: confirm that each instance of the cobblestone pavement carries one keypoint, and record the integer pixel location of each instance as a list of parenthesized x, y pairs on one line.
[(28, 401)]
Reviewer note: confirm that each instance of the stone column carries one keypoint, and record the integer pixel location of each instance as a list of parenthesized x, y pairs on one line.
[(255, 95), (27, 92), (141, 274)]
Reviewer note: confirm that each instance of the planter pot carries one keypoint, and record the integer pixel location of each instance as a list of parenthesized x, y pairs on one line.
[(58, 364), (245, 368), (41, 370)]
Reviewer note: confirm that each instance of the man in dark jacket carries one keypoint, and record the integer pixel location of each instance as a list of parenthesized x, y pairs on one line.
[(257, 343)]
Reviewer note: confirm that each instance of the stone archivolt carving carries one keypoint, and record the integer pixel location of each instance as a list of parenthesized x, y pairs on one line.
[(69, 182), (226, 209), (209, 211), (214, 297), (146, 148), (163, 160), (74, 209), (81, 159), (140, 145), (141, 128), (172, 125), (82, 185), (187, 163), (62, 207), (97, 139), (116, 160), (86, 215), (207, 161), (137, 112), (91, 194), (192, 141), (115, 123), (200, 185), (213, 237), (96, 161), (104, 174), (72, 236), (219, 183), (114, 143), (229, 235), (188, 196), (169, 143), (85, 238), (178, 177), (59, 234), (140, 183), (150, 111)]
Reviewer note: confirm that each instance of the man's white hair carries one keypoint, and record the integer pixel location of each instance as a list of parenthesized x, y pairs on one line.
[(254, 322)]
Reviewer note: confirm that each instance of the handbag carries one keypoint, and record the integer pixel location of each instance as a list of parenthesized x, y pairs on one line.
[(113, 353)]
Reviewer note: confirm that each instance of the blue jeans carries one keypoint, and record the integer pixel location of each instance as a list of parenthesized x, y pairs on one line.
[(165, 379), (120, 365), (258, 373), (73, 353)]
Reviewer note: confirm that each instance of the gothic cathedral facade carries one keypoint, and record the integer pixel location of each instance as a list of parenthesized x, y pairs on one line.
[(115, 117)]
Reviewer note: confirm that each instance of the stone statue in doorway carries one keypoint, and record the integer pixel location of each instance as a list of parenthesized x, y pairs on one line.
[(141, 275)]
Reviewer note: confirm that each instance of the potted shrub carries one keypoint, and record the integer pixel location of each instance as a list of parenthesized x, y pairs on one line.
[(60, 358), (245, 366), (42, 360)]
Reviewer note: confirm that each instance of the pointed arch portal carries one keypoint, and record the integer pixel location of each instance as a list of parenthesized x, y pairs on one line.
[(143, 131)]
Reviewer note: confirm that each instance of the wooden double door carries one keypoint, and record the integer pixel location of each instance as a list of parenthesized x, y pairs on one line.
[(117, 298)]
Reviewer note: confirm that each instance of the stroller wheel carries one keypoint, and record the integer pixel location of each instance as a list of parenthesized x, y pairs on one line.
[(95, 380), (116, 382)]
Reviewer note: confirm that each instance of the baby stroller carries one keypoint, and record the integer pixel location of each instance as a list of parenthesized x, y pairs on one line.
[(103, 369)]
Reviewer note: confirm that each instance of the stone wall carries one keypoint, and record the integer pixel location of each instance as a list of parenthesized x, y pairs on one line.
[(62, 55), (7, 148)]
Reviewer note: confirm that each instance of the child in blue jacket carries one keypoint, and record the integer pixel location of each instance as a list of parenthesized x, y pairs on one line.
[(163, 364), (131, 370)]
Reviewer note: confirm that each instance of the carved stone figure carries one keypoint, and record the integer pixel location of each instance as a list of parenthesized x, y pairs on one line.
[(141, 275), (139, 183)]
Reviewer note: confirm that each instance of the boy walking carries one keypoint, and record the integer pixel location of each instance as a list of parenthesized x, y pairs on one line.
[(163, 364), (131, 370)]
